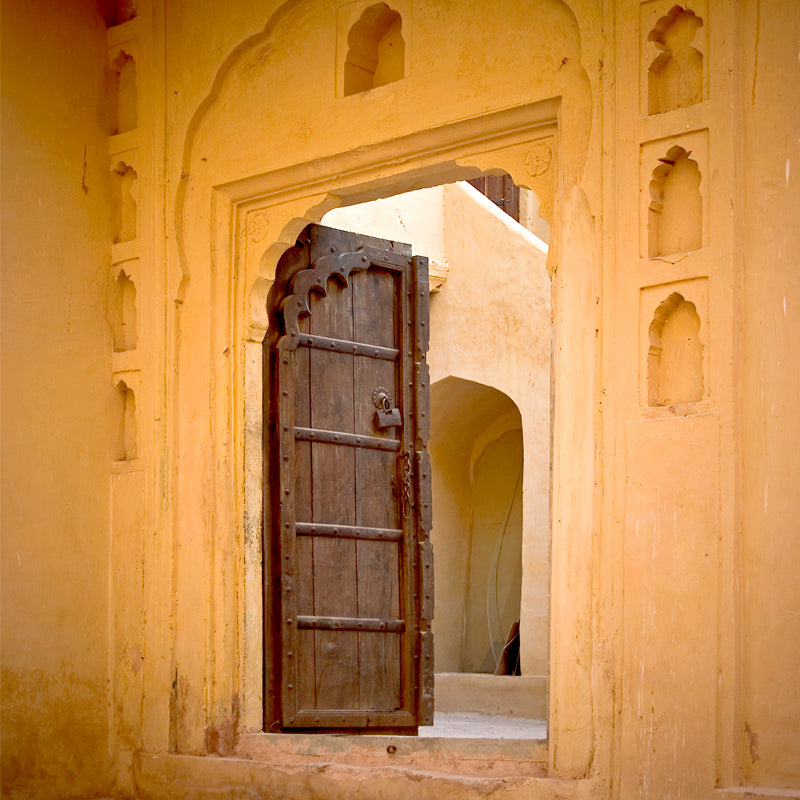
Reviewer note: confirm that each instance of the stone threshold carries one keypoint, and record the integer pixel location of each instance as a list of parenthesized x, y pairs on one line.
[(166, 776), (478, 757)]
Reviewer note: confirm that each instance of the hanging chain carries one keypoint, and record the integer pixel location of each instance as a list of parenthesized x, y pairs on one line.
[(406, 484)]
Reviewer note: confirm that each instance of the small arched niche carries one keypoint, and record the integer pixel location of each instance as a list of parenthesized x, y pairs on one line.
[(119, 11), (122, 92), (675, 76), (126, 440), (675, 214), (675, 357), (376, 50), (123, 313), (124, 220)]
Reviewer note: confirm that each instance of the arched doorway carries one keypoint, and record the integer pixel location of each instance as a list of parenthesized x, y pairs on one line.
[(247, 190), (477, 460), (499, 341)]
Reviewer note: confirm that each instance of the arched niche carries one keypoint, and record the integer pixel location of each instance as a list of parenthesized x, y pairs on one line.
[(675, 76), (675, 214), (675, 357), (122, 93), (376, 50), (125, 448), (118, 11), (125, 218), (124, 313)]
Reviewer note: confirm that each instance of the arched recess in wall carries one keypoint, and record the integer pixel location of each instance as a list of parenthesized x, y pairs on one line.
[(126, 441), (675, 357), (376, 50), (122, 93), (675, 214), (123, 313), (245, 70), (675, 76), (477, 458), (124, 220), (118, 11), (244, 149)]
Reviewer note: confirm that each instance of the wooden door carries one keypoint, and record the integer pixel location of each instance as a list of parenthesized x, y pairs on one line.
[(348, 562)]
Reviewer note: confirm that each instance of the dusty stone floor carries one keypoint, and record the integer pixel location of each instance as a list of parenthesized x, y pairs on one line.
[(453, 725)]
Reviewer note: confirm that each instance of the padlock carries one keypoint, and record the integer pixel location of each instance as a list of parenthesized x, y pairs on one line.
[(386, 416)]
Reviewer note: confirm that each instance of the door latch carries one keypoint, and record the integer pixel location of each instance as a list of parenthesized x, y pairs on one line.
[(385, 416)]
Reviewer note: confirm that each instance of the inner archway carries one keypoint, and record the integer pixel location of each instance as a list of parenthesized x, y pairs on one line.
[(499, 341), (477, 460)]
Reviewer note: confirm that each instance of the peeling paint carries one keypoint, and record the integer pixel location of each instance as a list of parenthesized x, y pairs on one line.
[(752, 742), (221, 738)]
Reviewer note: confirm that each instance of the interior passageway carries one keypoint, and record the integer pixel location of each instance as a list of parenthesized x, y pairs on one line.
[(489, 446)]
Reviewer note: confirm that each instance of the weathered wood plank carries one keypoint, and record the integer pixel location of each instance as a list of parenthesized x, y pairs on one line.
[(301, 660), (422, 401), (424, 516), (424, 493), (285, 596), (426, 582), (425, 696), (334, 490), (375, 297), (421, 308), (402, 721)]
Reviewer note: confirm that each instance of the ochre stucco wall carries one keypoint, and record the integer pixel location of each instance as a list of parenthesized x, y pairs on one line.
[(58, 404), (768, 329), (673, 625)]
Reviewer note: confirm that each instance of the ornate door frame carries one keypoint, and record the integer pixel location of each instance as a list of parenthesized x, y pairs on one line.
[(244, 225)]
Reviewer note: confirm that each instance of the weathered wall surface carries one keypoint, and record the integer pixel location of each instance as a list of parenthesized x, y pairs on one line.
[(673, 617), (701, 315), (57, 402), (768, 327)]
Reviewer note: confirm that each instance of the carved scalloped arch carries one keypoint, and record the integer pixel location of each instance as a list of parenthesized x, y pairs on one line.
[(337, 267), (195, 178)]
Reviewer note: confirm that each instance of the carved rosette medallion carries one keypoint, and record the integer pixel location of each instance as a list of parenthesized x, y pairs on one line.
[(257, 225), (538, 159)]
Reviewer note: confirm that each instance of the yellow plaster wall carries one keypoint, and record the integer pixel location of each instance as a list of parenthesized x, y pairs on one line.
[(242, 104), (490, 323), (768, 329), (58, 403), (462, 412)]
